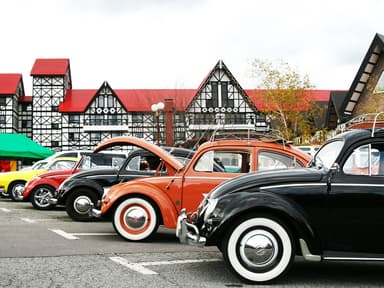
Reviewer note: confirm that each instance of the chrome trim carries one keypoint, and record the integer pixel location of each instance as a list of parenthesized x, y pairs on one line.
[(19, 191), (353, 259), (307, 254), (53, 201), (185, 235), (94, 212), (294, 185), (357, 184)]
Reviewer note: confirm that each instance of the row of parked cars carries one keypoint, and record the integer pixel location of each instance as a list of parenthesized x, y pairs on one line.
[(260, 201)]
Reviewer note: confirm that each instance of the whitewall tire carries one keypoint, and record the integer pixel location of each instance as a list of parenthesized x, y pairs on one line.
[(135, 219), (259, 249)]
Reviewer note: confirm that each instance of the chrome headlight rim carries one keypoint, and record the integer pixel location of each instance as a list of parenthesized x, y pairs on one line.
[(209, 208)]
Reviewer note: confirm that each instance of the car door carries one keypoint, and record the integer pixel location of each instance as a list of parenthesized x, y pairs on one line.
[(211, 168), (356, 202)]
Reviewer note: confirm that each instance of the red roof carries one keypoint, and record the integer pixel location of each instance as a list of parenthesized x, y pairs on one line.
[(25, 99), (50, 67), (256, 96), (139, 100), (9, 83)]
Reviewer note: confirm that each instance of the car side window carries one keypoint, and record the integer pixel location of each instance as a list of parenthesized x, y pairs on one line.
[(268, 160), (143, 163), (224, 161), (62, 165), (366, 160)]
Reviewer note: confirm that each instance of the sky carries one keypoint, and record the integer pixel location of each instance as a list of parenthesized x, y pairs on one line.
[(173, 44)]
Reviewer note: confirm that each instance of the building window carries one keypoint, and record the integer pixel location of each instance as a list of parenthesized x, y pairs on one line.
[(213, 102), (3, 101), (74, 118), (55, 125), (2, 119), (54, 143), (55, 108), (380, 84), (137, 118), (73, 136), (95, 136), (26, 107), (26, 124)]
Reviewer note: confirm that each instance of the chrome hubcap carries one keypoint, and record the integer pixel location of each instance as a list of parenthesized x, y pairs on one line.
[(136, 218), (41, 197), (82, 204), (258, 248)]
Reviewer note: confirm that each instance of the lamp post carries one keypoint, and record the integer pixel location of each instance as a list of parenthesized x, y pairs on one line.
[(157, 108)]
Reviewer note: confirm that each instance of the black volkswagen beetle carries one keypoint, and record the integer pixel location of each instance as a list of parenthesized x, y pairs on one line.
[(82, 191), (331, 210)]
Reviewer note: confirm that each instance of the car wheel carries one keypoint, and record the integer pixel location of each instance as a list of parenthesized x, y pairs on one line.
[(13, 188), (40, 196), (259, 249), (135, 219), (80, 202)]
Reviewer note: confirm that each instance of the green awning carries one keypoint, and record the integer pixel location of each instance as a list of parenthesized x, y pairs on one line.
[(19, 146)]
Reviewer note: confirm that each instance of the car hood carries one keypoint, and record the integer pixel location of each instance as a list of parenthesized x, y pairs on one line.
[(21, 174), (154, 149), (257, 180), (55, 173)]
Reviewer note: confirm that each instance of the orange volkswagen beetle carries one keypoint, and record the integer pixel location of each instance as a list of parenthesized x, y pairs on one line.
[(138, 207)]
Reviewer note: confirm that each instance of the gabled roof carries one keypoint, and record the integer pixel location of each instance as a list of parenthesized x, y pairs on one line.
[(334, 110), (220, 66), (9, 83), (134, 100), (58, 67), (368, 65), (256, 95)]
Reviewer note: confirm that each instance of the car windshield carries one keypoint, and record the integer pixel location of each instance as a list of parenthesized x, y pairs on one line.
[(327, 154)]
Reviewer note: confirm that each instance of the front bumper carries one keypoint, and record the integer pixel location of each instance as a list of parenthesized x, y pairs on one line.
[(95, 213), (53, 200), (19, 193), (188, 233)]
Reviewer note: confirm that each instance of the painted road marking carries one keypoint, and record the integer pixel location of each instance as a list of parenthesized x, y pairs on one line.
[(64, 234), (94, 234), (72, 236), (5, 210), (28, 220), (139, 267)]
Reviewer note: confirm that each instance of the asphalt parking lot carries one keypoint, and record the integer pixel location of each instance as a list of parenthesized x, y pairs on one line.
[(48, 249)]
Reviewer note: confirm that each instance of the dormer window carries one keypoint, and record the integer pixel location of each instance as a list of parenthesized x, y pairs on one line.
[(380, 84)]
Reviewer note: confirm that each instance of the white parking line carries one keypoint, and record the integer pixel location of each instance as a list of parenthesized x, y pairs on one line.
[(28, 220), (5, 210), (64, 234), (139, 267), (93, 234)]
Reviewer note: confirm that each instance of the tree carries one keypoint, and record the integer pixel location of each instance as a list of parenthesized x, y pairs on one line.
[(285, 95)]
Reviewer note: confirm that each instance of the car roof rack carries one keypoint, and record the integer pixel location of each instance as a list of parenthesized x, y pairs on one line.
[(269, 135), (365, 121)]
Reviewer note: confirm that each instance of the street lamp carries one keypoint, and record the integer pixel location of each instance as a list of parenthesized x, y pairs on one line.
[(157, 108)]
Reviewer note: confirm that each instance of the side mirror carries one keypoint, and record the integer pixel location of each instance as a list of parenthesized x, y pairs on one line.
[(335, 168)]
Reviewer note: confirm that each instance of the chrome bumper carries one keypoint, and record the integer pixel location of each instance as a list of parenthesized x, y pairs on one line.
[(187, 232), (95, 213), (53, 201), (19, 193)]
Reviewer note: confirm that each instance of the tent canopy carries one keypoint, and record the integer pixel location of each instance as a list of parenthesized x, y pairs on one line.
[(19, 146)]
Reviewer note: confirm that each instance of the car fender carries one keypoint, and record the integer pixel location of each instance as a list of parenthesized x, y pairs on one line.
[(168, 210), (81, 182), (236, 205)]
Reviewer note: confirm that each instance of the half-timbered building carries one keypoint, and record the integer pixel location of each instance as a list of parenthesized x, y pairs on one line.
[(60, 117)]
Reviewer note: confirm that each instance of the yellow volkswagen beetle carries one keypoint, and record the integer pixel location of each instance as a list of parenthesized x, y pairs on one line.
[(10, 182)]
